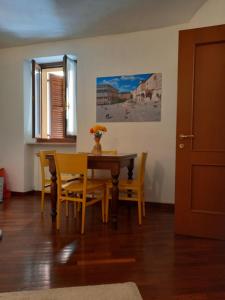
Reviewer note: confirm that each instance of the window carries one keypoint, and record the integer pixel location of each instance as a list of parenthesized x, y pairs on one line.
[(54, 99)]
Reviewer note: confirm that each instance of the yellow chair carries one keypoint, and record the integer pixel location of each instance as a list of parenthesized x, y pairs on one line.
[(104, 181), (77, 191), (45, 181), (131, 190)]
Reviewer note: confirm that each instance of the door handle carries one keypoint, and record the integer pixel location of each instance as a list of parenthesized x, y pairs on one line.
[(186, 136)]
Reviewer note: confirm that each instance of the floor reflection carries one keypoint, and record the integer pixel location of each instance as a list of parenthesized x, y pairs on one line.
[(66, 252)]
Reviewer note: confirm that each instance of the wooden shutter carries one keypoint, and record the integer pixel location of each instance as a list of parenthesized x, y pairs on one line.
[(57, 107)]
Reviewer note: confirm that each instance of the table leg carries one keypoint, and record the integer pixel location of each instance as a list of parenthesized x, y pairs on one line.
[(115, 197), (130, 169), (52, 170), (130, 175)]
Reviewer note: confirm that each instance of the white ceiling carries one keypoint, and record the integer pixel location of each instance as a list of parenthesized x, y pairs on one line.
[(31, 21)]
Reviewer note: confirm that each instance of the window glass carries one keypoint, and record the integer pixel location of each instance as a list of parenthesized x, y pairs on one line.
[(71, 112)]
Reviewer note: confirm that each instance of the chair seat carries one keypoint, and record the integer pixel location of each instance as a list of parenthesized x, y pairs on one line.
[(77, 186), (66, 178), (69, 177), (47, 183), (130, 190), (77, 191)]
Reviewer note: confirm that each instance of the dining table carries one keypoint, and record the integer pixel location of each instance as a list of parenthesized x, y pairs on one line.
[(112, 162)]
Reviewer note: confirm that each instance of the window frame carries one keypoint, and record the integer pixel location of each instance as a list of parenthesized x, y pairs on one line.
[(42, 66)]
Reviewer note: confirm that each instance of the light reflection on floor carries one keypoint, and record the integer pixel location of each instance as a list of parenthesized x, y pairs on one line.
[(66, 252), (42, 268)]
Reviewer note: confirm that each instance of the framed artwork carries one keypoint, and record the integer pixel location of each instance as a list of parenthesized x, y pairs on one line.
[(132, 98)]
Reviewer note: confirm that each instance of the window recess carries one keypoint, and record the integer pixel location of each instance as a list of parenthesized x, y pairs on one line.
[(54, 115)]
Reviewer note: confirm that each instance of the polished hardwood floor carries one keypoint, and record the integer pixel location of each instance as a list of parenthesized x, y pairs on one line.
[(33, 255)]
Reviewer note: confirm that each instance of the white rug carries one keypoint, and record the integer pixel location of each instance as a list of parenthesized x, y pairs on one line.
[(118, 291)]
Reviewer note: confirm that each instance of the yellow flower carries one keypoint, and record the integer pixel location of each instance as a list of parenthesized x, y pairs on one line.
[(98, 130)]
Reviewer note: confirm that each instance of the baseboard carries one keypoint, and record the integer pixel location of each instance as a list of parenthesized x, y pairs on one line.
[(22, 194), (37, 193), (163, 207), (168, 207)]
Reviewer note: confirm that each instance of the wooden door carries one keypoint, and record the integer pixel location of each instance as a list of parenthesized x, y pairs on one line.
[(200, 154)]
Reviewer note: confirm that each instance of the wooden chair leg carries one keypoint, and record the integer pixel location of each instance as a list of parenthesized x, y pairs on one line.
[(83, 217), (139, 213)]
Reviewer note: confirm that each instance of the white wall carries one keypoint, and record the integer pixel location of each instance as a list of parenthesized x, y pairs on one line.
[(134, 53), (11, 118), (212, 13)]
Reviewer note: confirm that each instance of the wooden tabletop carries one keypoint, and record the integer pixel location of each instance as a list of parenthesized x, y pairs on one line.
[(104, 156)]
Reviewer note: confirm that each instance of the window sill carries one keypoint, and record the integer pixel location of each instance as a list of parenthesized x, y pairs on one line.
[(53, 143), (63, 142), (69, 140)]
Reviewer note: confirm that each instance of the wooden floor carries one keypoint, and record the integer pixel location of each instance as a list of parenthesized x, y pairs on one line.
[(34, 256)]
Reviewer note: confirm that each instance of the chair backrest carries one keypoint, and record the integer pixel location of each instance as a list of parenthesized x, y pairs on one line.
[(71, 164), (44, 162), (112, 152), (141, 167)]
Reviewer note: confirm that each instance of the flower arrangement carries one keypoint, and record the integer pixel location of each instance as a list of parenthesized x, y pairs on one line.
[(98, 130)]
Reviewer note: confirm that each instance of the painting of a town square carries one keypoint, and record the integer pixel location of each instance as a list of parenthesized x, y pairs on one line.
[(133, 98)]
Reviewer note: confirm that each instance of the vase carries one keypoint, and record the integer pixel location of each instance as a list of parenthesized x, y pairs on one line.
[(97, 149)]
